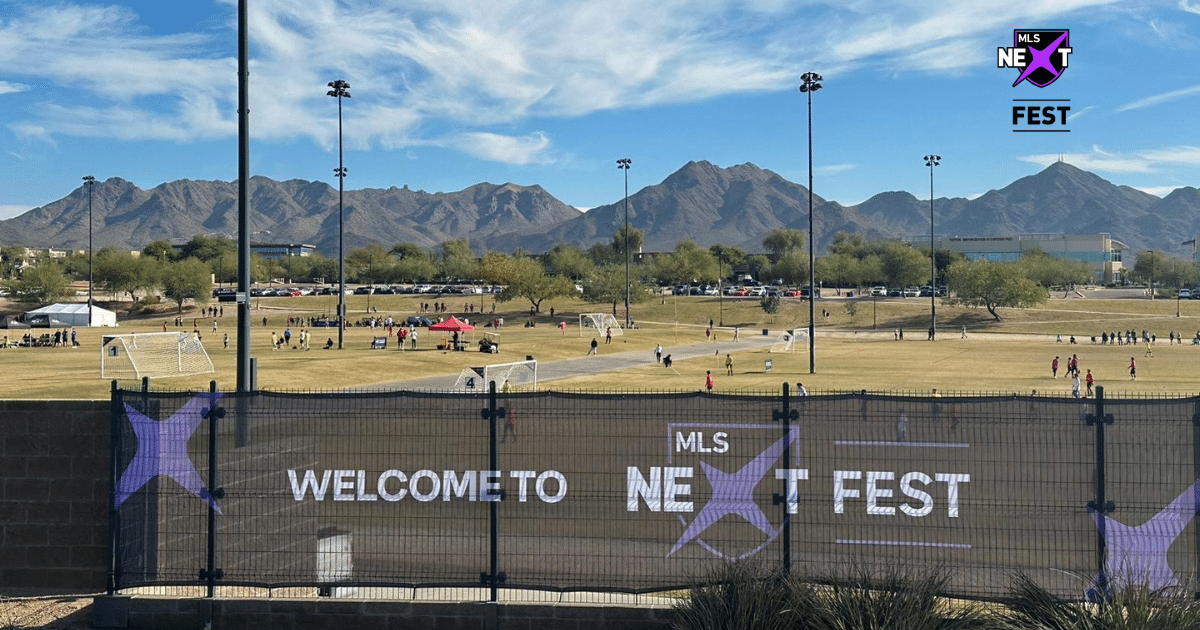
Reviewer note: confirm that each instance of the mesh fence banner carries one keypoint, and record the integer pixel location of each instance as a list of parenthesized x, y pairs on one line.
[(653, 491)]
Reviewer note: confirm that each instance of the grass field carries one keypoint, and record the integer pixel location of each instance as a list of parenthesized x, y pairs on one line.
[(852, 352)]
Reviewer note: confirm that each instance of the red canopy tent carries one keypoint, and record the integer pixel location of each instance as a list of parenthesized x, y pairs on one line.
[(453, 325)]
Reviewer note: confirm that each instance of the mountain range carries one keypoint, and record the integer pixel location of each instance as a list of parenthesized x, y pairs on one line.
[(702, 202)]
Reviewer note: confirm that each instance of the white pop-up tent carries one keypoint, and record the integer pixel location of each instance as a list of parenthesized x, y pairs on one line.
[(76, 314)]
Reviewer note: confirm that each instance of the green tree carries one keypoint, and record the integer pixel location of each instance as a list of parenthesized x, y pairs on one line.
[(187, 279), (636, 240), (783, 240), (41, 283), (688, 263), (123, 273), (404, 251), (159, 250), (1050, 271), (791, 267), (992, 285), (569, 261), (523, 278), (606, 285), (366, 264), (11, 259), (903, 266), (208, 248), (457, 261), (727, 258)]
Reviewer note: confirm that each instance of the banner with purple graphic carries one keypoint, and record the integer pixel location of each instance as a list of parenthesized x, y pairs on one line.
[(652, 492)]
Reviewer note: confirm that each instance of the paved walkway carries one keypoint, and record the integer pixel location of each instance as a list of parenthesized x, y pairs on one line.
[(606, 361)]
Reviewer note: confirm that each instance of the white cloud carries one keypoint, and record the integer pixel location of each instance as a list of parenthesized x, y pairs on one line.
[(497, 148), (1189, 7), (835, 169), (417, 68), (1143, 161), (12, 88), (1158, 191), (1159, 99), (10, 210)]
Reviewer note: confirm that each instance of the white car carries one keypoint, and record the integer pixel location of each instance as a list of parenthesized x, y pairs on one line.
[(879, 291)]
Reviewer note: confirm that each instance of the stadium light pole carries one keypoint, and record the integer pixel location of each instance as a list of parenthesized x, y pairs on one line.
[(932, 161), (89, 181), (1150, 255), (339, 90), (624, 164), (811, 84)]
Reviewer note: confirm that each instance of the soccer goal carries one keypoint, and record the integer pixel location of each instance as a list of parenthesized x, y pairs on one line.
[(598, 323), (520, 376), (786, 341), (154, 355)]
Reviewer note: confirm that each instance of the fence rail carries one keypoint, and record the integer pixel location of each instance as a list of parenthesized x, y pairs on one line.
[(635, 493)]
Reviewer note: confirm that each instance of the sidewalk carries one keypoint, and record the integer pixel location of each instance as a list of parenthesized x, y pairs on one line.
[(567, 368)]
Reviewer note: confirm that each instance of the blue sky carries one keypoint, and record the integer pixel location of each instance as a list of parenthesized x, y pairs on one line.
[(451, 93)]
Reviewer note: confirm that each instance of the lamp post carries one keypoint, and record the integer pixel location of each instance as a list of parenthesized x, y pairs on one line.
[(339, 90), (624, 164), (89, 181), (932, 161), (811, 84)]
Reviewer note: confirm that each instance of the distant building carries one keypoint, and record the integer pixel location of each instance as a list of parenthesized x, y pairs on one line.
[(1195, 248), (275, 251), (1101, 252)]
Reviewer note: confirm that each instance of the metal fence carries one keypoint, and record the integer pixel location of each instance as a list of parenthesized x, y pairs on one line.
[(648, 492)]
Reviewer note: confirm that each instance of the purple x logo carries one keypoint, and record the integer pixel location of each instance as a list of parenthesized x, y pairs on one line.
[(162, 450), (1045, 56)]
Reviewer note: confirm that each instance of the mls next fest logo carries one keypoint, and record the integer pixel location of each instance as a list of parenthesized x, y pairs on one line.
[(1041, 56)]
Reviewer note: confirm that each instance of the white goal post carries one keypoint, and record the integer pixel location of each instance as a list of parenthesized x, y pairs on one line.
[(154, 355), (786, 341), (519, 376), (600, 323)]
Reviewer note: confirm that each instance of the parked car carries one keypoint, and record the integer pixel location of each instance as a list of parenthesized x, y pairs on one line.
[(912, 292), (1185, 294), (879, 291), (895, 293)]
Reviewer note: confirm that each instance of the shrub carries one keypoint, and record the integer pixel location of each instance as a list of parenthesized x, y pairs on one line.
[(769, 304), (1135, 607)]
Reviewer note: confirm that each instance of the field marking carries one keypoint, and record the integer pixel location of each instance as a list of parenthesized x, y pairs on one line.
[(901, 543), (902, 444)]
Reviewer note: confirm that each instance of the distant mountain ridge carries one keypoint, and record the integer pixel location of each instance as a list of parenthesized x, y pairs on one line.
[(701, 202)]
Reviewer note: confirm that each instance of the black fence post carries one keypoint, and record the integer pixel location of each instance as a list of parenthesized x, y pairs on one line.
[(211, 573), (1101, 505), (786, 416), (493, 578), (116, 404)]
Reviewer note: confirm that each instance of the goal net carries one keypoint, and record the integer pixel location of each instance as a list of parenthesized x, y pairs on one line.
[(520, 376), (592, 324), (154, 355), (786, 341)]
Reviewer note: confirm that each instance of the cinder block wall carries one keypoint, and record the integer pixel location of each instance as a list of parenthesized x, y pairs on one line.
[(54, 494)]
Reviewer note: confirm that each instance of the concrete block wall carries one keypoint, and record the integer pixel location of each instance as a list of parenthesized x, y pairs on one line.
[(54, 494)]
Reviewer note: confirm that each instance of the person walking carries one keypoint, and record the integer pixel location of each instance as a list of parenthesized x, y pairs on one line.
[(708, 380), (1089, 381), (287, 337), (800, 389), (1054, 367), (1075, 387), (595, 344), (1149, 351), (1132, 369), (608, 335), (274, 340), (413, 338), (658, 353), (728, 364)]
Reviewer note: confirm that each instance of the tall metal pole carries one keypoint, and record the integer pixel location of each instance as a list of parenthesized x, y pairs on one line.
[(243, 289), (89, 181), (341, 89), (811, 84), (623, 164), (932, 161)]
